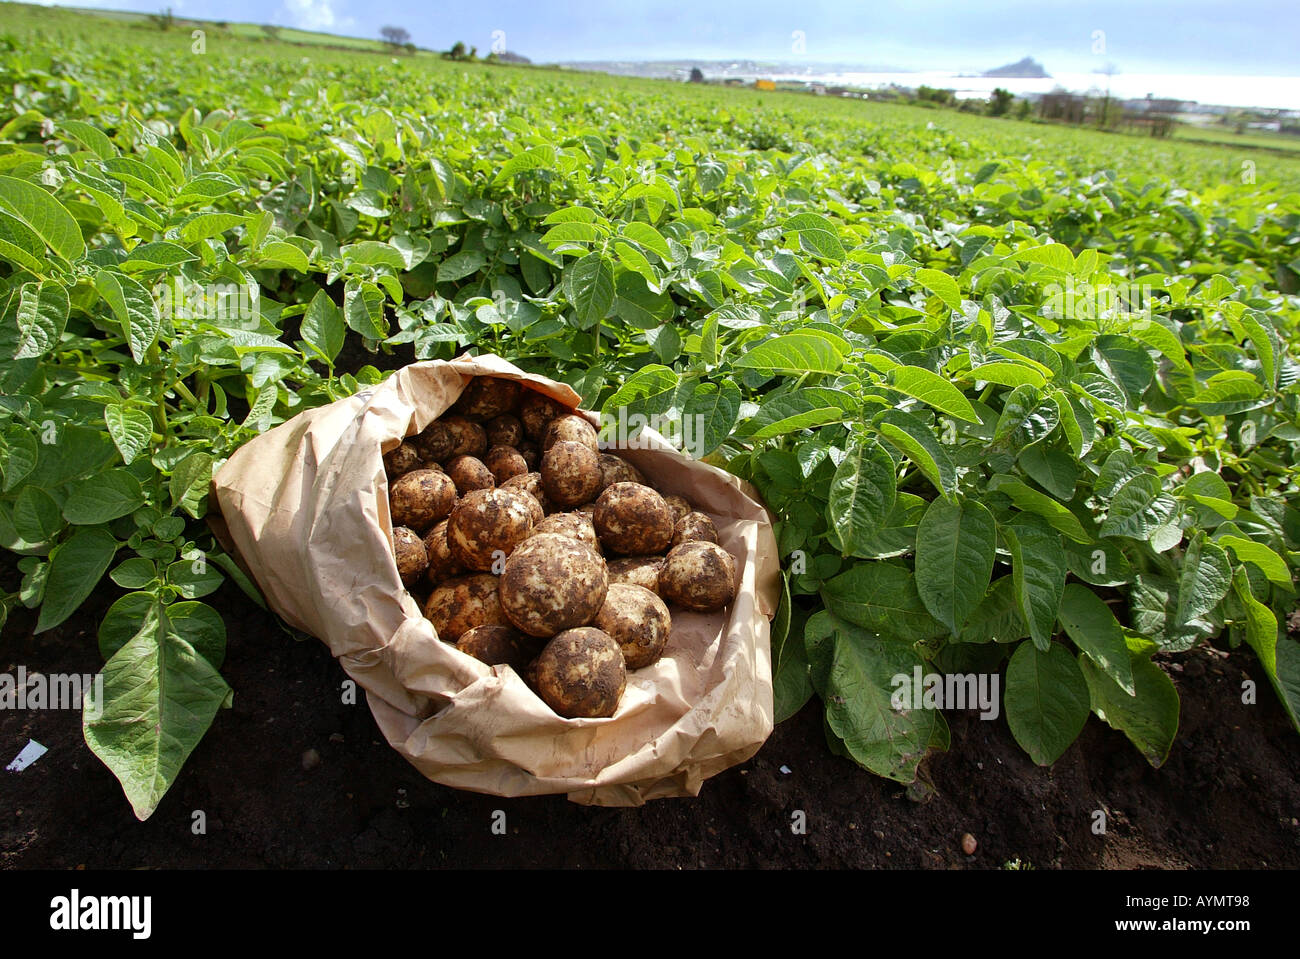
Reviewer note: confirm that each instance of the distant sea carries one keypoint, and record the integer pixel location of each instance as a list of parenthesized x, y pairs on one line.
[(1279, 93)]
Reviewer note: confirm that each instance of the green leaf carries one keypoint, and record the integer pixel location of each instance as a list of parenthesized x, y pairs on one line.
[(1047, 701), (322, 326), (882, 598), (858, 676), (1203, 581), (911, 436), (1030, 500), (942, 285), (204, 225), (708, 416), (861, 495), (134, 308), (649, 390), (36, 515), (123, 620), (460, 265), (1148, 716), (102, 497), (807, 351), (42, 316), (817, 235), (45, 215), (363, 310), (130, 428), (1248, 551), (1095, 630), (159, 698), (955, 548), (1038, 568), (934, 390), (648, 237), (1138, 508), (589, 286), (189, 483), (76, 566), (194, 577)]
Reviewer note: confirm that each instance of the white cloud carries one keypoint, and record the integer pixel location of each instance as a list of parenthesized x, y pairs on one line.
[(312, 14)]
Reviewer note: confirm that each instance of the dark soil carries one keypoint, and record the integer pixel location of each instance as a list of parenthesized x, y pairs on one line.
[(1227, 797)]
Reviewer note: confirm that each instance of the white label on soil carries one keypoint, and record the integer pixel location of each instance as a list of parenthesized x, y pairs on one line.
[(31, 752)]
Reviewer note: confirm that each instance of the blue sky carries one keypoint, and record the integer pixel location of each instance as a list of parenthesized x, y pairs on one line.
[(1139, 36)]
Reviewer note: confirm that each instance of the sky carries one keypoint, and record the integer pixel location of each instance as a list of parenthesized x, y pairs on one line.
[(1253, 37)]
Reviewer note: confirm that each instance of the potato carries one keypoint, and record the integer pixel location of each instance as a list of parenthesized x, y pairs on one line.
[(581, 674), (504, 430), (504, 462), (552, 583), (574, 525), (700, 576), (637, 620), (615, 469), (679, 505), (530, 483), (531, 453), (402, 459), (573, 429), (570, 473), (535, 411), (484, 522), (442, 565), (633, 520), (469, 438), (637, 570), (469, 473), (436, 443), (412, 558), (498, 646), (488, 396), (692, 527), (460, 604), (420, 498)]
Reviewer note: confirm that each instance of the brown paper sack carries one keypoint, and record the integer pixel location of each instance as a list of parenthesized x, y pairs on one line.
[(305, 509)]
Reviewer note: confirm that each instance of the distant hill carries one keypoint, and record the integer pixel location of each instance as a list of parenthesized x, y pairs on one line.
[(1026, 67), (506, 56)]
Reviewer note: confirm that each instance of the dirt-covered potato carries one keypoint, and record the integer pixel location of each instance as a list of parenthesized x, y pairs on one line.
[(570, 473), (694, 526), (615, 469), (581, 674), (504, 430), (637, 570), (488, 396), (575, 525), (637, 620), (531, 453), (469, 473), (573, 429), (402, 459), (442, 565), (535, 411), (420, 498), (504, 462), (485, 521), (552, 583), (412, 558), (679, 505), (470, 439), (436, 443), (700, 576), (633, 520), (460, 604), (530, 483), (498, 646)]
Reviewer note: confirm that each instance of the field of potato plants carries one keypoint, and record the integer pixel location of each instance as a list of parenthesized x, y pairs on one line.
[(1022, 401)]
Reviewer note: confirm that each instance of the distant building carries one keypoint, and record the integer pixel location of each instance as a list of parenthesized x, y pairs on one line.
[(764, 85)]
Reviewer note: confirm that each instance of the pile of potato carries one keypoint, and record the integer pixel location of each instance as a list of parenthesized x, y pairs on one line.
[(542, 552)]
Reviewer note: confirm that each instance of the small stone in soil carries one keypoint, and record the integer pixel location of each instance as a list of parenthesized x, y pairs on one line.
[(310, 759), (968, 844)]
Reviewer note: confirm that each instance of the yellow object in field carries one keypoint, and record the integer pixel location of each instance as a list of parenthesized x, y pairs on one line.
[(764, 85)]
